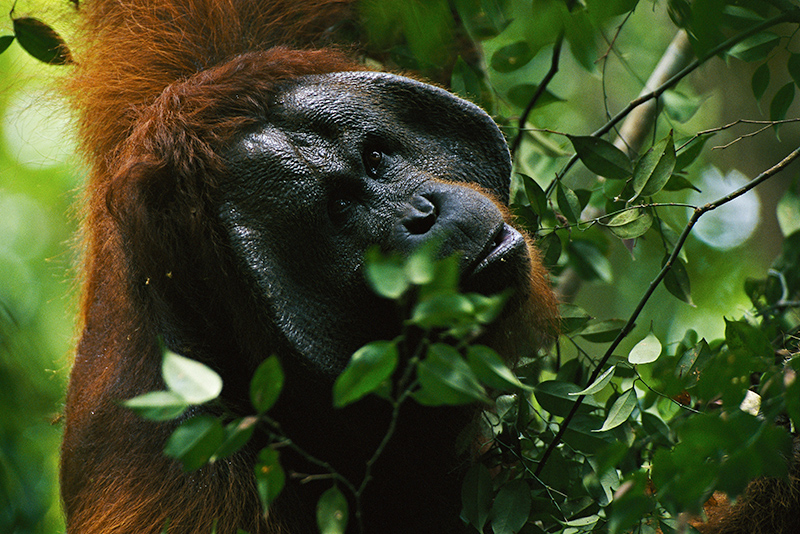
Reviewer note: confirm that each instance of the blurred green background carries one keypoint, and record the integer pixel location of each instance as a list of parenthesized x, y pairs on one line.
[(40, 179)]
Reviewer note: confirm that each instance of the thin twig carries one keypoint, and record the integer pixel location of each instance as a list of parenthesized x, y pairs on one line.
[(698, 212), (554, 61)]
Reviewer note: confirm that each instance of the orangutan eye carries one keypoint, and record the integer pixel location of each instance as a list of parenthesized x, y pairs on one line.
[(372, 161)]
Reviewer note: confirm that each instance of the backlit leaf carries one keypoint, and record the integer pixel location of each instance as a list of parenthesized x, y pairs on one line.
[(195, 382), (266, 385), (368, 368), (332, 512)]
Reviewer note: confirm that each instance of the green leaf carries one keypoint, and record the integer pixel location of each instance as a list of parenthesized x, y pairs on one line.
[(654, 168), (690, 152), (572, 317), (787, 212), (41, 41), (780, 103), (5, 42), (590, 262), (511, 57), (193, 381), (511, 507), (550, 247), (602, 157), (760, 80), (195, 441), (793, 65), (646, 351), (620, 410), (677, 182), (677, 281), (680, 107), (568, 203), (490, 369), (602, 331), (332, 512), (270, 477), (157, 405), (631, 223), (476, 496), (266, 385), (385, 274), (536, 195), (443, 310), (445, 378), (369, 366), (598, 384), (237, 434), (756, 47), (521, 95), (555, 397), (420, 267)]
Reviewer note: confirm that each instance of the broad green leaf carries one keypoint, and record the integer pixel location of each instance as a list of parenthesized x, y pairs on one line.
[(760, 80), (788, 212), (487, 309), (680, 107), (689, 153), (646, 351), (476, 496), (443, 310), (568, 203), (368, 368), (270, 477), (590, 262), (780, 103), (602, 157), (511, 57), (237, 434), (601, 10), (445, 378), (598, 384), (157, 405), (490, 369), (521, 95), (195, 382), (385, 274), (536, 195), (555, 397), (654, 168), (631, 223), (572, 317), (195, 441), (5, 42), (41, 41), (332, 512), (511, 507), (620, 410), (677, 182), (793, 65), (550, 248), (266, 385), (602, 331), (677, 281), (756, 47), (420, 267)]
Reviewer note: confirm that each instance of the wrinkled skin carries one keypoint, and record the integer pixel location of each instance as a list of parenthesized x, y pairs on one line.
[(353, 160)]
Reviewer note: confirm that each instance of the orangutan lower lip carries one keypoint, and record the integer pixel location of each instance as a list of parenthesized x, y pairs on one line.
[(505, 240)]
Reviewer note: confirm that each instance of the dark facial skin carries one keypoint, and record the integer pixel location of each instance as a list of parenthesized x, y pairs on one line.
[(352, 160)]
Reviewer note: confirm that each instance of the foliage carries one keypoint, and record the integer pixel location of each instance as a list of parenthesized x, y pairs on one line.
[(638, 413)]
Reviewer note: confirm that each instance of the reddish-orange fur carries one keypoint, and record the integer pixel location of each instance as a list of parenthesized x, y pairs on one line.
[(161, 87)]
